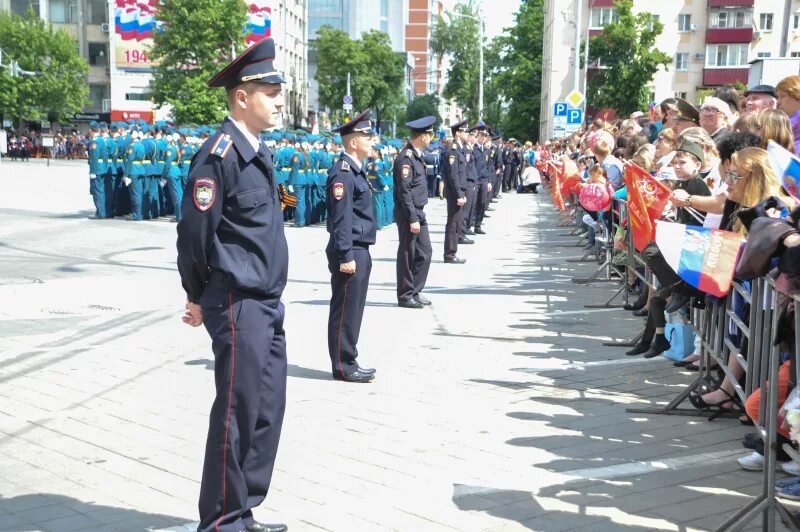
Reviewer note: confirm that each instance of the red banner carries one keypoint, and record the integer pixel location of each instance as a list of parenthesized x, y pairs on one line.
[(555, 189), (122, 116), (646, 201)]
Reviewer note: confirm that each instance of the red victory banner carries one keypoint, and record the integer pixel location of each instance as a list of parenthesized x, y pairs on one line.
[(558, 199), (646, 201)]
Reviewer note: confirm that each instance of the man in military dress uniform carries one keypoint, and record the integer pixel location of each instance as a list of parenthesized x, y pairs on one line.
[(411, 195), (352, 228), (454, 175), (233, 261)]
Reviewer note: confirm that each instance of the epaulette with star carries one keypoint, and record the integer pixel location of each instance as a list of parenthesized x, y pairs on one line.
[(222, 146)]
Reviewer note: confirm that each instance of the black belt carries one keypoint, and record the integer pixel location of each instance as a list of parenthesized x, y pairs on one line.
[(221, 280)]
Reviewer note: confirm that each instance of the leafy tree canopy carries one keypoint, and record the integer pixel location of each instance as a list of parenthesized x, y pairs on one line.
[(58, 89), (197, 38), (421, 106), (626, 50)]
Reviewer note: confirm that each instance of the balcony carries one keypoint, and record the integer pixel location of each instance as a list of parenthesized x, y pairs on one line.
[(713, 77), (729, 35), (601, 3), (731, 3)]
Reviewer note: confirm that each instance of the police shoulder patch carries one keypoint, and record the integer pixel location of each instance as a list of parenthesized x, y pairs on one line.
[(406, 171), (338, 190), (345, 166), (204, 193), (452, 159), (222, 146)]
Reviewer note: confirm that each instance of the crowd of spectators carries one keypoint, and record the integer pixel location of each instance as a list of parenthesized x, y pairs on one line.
[(713, 158), (28, 144)]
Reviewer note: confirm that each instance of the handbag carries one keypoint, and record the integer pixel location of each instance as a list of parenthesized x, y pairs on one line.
[(681, 340)]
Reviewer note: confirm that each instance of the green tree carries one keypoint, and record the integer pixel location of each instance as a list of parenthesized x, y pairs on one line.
[(457, 37), (517, 71), (197, 38), (425, 105), (626, 50), (58, 88), (376, 72)]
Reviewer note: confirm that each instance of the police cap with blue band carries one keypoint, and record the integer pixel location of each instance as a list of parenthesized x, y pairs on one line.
[(459, 126), (422, 125), (254, 64)]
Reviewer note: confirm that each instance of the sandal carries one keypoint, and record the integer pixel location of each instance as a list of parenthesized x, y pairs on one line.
[(685, 361), (698, 402)]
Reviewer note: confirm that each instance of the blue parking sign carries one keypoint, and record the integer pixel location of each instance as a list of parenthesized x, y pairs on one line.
[(560, 109), (575, 116)]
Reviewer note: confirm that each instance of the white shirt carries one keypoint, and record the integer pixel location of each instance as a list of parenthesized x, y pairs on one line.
[(355, 164), (254, 142)]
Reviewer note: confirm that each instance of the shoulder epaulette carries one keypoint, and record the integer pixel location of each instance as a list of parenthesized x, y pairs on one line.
[(345, 166), (222, 146)]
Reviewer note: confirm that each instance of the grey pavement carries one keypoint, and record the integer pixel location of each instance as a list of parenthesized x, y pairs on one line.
[(496, 409)]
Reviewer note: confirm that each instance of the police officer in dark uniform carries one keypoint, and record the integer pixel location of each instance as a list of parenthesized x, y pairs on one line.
[(352, 228), (233, 262), (472, 179), (485, 174), (454, 174), (410, 197)]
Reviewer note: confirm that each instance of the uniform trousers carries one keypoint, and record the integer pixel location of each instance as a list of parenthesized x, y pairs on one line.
[(413, 259), (97, 187), (348, 298), (472, 200), (508, 177), (244, 429), (452, 229), (482, 201), (175, 195), (122, 200), (497, 184), (136, 191)]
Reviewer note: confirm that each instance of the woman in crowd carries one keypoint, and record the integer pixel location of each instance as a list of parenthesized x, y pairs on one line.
[(788, 93), (773, 124)]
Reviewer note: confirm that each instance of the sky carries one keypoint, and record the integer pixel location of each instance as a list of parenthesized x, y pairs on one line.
[(499, 14)]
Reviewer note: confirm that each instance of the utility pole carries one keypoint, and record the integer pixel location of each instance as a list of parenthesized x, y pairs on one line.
[(480, 82), (576, 80)]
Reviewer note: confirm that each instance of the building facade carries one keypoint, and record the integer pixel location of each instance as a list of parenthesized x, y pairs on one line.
[(712, 43), (120, 79)]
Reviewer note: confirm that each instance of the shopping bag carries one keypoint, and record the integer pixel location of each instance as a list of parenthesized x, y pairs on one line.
[(681, 340)]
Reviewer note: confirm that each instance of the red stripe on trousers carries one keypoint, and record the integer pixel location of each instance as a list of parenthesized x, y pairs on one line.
[(228, 414), (341, 324)]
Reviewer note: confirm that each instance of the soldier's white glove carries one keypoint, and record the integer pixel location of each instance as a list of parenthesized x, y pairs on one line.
[(163, 182), (290, 188), (92, 176), (126, 181), (385, 188)]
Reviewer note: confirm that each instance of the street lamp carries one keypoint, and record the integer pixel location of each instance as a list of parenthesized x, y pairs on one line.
[(480, 50)]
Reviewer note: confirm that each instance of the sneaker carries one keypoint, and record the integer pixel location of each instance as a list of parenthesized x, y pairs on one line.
[(789, 492), (754, 462), (791, 468), (786, 482)]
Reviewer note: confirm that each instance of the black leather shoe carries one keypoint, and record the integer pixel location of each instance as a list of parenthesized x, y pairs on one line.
[(261, 527), (479, 231), (469, 232), (368, 371), (357, 376), (639, 304), (422, 300), (486, 215), (641, 313), (677, 302), (454, 260), (659, 345), (464, 240), (411, 303), (638, 349)]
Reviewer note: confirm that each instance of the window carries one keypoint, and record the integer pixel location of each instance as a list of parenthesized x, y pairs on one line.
[(64, 11), (681, 95), (681, 62), (765, 22), (762, 55), (731, 18), (726, 55), (20, 7), (137, 97), (97, 93), (602, 16), (98, 12), (794, 54), (796, 21), (385, 16), (684, 22), (98, 54)]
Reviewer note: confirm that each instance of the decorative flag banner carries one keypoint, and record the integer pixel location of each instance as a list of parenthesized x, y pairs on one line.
[(259, 21), (134, 24), (646, 201), (651, 112), (786, 166), (555, 189), (703, 257)]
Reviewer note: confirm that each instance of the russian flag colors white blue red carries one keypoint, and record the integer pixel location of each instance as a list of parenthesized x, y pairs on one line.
[(259, 23), (704, 258), (787, 166)]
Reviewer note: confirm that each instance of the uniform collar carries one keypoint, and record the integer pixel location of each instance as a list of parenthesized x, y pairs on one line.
[(246, 144), (355, 164)]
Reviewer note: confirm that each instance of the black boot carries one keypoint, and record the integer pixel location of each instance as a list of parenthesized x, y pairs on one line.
[(659, 345), (638, 349)]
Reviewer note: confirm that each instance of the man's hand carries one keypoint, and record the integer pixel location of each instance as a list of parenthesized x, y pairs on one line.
[(126, 181), (193, 315), (415, 227), (461, 202), (92, 176), (348, 267), (680, 197), (489, 185)]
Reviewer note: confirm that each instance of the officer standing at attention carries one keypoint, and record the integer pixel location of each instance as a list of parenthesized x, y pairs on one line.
[(454, 175), (352, 228), (233, 261), (96, 155), (410, 197)]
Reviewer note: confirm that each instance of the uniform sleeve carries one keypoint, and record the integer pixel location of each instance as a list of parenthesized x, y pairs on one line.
[(462, 176), (340, 199), (403, 176), (202, 211)]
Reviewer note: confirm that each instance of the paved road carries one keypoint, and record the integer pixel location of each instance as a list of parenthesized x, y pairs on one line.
[(495, 409)]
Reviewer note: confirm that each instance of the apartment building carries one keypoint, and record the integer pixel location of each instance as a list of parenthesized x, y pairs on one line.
[(712, 43)]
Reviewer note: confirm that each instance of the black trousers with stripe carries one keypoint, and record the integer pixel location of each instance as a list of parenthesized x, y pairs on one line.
[(244, 429), (413, 258), (348, 298)]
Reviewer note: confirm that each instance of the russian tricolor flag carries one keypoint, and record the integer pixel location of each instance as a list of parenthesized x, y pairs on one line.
[(259, 23), (786, 166), (705, 258)]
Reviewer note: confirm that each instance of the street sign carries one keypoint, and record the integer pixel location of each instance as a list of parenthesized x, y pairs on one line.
[(575, 98), (347, 100), (560, 109), (347, 107), (575, 117)]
